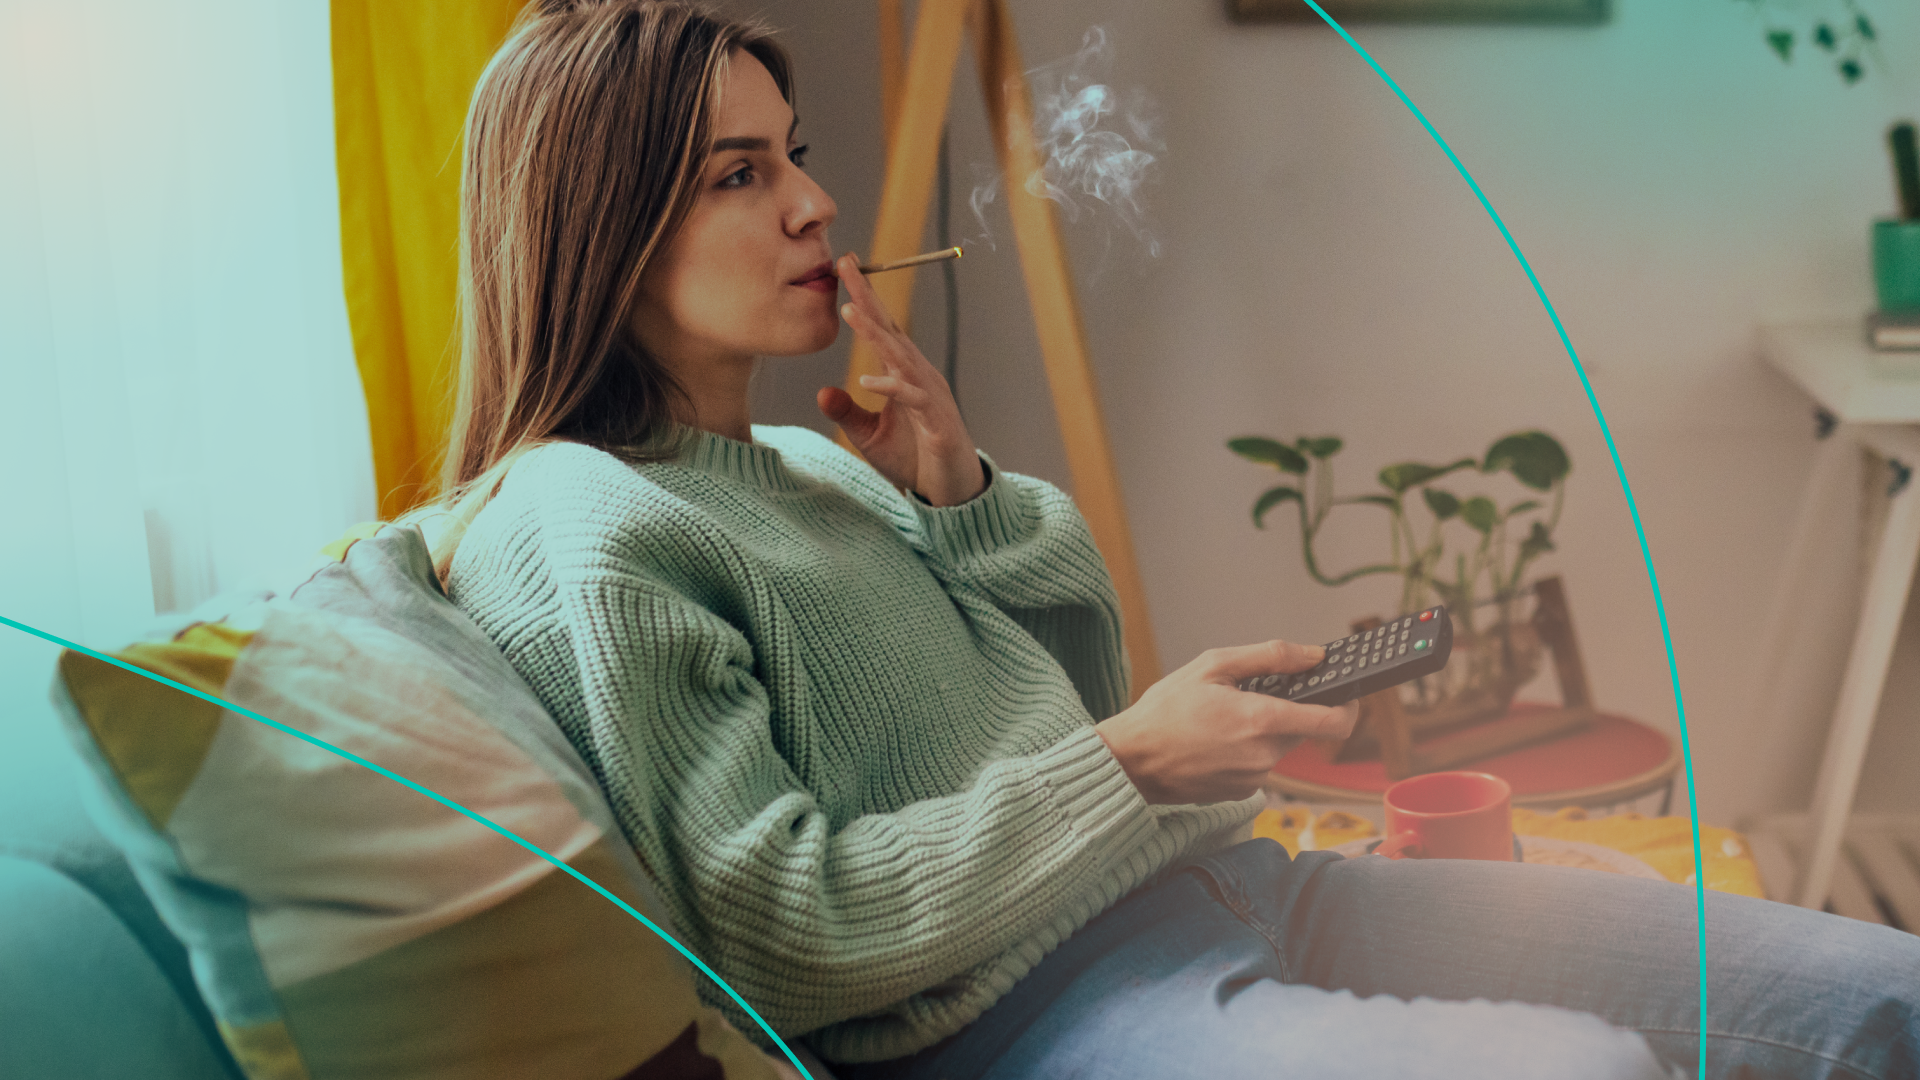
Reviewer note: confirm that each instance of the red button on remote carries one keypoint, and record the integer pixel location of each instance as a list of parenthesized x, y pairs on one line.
[(1425, 615)]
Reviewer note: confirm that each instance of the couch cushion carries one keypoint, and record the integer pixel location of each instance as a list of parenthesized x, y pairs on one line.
[(79, 994), (312, 847), (43, 822)]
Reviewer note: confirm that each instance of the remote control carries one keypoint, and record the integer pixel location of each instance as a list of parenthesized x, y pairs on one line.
[(1355, 666)]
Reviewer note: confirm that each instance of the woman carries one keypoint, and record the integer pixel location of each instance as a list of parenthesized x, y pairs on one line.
[(866, 722)]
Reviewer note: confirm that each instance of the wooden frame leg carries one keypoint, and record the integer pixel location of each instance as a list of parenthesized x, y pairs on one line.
[(1888, 582), (914, 118), (1056, 314)]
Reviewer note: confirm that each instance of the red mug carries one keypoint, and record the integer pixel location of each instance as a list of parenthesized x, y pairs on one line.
[(1449, 815)]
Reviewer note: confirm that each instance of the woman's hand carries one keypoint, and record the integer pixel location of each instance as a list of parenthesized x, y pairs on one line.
[(917, 439), (1194, 737)]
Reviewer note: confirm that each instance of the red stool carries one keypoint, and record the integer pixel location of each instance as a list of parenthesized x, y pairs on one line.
[(1611, 762)]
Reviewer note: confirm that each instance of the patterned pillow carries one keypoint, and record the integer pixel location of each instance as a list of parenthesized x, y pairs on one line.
[(344, 918)]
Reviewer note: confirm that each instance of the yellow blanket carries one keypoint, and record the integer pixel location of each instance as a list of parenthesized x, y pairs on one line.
[(1664, 843)]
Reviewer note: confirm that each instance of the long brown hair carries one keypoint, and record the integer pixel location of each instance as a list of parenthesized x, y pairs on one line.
[(585, 143)]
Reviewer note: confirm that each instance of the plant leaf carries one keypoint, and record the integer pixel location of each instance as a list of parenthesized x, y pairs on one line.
[(1850, 69), (1321, 448), (1523, 506), (1480, 513), (1271, 498), (1823, 37), (1376, 500), (1782, 42), (1444, 504), (1398, 478), (1538, 542), (1535, 458), (1861, 24), (1267, 452)]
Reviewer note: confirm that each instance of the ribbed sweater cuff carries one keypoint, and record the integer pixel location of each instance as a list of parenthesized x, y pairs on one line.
[(1092, 790), (990, 520)]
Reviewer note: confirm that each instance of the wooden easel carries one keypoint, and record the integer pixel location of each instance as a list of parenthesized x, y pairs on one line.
[(1409, 744), (915, 89)]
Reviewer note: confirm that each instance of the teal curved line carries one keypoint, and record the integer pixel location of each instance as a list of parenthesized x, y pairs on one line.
[(436, 797), (1646, 553)]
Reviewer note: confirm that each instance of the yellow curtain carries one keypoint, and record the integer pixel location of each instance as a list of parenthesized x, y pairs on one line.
[(403, 71)]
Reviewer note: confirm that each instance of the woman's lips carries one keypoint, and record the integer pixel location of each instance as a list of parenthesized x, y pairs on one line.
[(819, 279)]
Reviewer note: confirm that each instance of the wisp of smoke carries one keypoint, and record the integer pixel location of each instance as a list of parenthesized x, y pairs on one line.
[(1087, 163)]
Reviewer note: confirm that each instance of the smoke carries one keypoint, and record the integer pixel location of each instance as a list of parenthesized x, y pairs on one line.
[(1090, 167)]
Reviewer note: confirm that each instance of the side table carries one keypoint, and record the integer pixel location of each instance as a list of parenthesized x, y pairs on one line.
[(1614, 761), (1863, 400)]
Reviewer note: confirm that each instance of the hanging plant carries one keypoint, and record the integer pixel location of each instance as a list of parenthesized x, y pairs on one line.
[(1839, 30)]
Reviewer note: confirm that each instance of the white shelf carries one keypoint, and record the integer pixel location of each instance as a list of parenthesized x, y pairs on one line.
[(1832, 362)]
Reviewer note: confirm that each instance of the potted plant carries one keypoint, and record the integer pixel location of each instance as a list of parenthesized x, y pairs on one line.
[(1470, 553)]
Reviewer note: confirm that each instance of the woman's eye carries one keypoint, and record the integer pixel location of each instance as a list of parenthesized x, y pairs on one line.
[(740, 177), (798, 155)]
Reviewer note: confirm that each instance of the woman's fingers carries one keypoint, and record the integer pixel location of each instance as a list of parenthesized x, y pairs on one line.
[(838, 406), (895, 388), (895, 346), (897, 352), (1238, 662), (862, 298)]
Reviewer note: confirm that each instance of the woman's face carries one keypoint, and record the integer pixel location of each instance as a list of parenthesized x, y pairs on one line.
[(750, 272)]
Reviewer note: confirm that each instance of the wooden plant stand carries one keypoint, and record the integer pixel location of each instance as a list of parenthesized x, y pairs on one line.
[(1410, 743)]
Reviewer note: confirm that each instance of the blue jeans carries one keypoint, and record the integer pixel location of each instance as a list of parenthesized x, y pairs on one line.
[(1249, 964)]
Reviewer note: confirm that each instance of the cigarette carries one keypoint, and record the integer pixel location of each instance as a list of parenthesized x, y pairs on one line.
[(901, 264)]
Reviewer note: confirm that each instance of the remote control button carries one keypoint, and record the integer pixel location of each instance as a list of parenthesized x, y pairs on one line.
[(1425, 615), (1421, 644), (1403, 650), (1346, 670)]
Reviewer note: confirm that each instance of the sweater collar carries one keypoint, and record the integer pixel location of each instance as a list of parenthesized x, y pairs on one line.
[(753, 463)]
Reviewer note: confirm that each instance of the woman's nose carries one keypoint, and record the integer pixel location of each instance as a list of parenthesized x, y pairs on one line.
[(812, 207)]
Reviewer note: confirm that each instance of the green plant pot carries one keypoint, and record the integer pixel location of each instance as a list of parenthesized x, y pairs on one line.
[(1896, 265)]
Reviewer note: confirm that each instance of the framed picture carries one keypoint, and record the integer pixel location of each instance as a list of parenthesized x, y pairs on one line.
[(1439, 11)]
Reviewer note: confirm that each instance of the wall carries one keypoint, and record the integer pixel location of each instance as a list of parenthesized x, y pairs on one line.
[(1325, 270), (179, 413)]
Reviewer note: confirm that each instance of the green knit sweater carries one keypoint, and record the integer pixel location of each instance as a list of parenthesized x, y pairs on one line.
[(850, 735)]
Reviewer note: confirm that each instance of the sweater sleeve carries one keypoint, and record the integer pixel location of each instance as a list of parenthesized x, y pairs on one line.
[(810, 924), (1023, 546)]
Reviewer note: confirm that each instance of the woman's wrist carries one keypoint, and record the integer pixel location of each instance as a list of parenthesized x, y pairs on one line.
[(963, 489)]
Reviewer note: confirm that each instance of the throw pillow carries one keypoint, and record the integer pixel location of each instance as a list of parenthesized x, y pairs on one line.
[(345, 918)]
